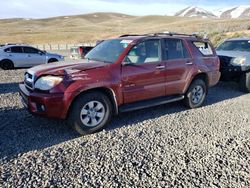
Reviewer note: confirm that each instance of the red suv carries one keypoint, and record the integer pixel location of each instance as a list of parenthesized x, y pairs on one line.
[(123, 74)]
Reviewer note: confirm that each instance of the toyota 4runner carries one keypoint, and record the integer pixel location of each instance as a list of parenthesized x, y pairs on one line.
[(123, 74)]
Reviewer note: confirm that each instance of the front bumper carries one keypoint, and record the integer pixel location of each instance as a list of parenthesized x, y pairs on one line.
[(42, 104), (229, 72)]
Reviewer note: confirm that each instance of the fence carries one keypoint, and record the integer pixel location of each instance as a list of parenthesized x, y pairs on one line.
[(58, 47)]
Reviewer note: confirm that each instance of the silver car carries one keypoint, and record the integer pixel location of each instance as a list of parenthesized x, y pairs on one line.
[(234, 56), (14, 56)]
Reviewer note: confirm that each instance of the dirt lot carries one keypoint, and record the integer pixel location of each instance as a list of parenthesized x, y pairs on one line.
[(157, 147)]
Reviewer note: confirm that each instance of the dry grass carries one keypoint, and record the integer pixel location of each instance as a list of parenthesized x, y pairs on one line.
[(91, 27)]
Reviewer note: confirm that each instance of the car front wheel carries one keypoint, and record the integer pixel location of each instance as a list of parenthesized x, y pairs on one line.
[(90, 113), (245, 82), (196, 94)]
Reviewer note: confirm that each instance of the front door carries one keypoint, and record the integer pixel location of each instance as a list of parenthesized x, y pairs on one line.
[(143, 72), (34, 56)]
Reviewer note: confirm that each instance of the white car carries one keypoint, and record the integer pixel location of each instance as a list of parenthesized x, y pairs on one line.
[(14, 56)]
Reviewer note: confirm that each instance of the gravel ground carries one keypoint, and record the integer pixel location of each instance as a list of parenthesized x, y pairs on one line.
[(163, 146)]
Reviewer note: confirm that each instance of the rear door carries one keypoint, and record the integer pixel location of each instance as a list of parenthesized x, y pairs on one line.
[(34, 56), (178, 65), (16, 55), (143, 75)]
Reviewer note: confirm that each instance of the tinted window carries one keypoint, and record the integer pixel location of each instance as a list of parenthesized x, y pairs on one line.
[(144, 52), (7, 50), (175, 49), (30, 50), (204, 48), (235, 46), (16, 50)]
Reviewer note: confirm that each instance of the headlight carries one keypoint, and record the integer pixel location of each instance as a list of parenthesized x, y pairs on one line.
[(47, 82), (238, 61)]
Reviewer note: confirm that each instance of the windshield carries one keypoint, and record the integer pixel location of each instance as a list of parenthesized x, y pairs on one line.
[(243, 45), (108, 50)]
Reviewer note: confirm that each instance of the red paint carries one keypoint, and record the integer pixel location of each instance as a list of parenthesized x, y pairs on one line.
[(127, 83)]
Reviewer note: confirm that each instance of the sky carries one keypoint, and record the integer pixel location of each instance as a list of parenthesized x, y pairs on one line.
[(51, 8)]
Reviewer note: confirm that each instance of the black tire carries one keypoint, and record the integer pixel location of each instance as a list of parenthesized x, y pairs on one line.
[(6, 65), (75, 116), (197, 90), (52, 60), (245, 82)]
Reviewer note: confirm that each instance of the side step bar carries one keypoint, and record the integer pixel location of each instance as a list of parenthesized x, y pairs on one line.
[(150, 103)]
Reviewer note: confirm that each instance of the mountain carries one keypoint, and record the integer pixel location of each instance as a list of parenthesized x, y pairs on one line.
[(234, 12), (195, 12), (242, 11)]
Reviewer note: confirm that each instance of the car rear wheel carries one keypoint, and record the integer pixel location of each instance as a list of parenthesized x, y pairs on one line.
[(6, 65), (245, 82), (90, 113), (196, 94)]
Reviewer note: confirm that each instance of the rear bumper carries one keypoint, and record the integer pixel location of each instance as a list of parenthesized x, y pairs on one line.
[(46, 105), (214, 78)]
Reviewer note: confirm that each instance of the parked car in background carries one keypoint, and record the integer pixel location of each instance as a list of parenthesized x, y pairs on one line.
[(79, 52), (15, 55), (234, 55), (123, 74)]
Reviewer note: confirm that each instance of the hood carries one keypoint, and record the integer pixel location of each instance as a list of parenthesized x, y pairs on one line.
[(62, 68), (227, 56), (233, 53), (52, 54)]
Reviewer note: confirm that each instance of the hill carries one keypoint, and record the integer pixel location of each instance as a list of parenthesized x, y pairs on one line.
[(91, 27)]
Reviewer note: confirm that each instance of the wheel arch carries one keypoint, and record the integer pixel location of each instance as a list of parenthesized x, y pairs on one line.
[(52, 59), (106, 91), (202, 76)]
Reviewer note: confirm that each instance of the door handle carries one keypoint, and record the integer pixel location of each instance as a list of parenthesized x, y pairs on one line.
[(189, 62), (10, 55), (160, 67), (29, 55)]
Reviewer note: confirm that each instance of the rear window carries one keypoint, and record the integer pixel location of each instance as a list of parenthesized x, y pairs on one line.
[(204, 48), (241, 45)]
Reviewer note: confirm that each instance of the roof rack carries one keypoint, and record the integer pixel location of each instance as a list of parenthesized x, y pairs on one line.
[(164, 33), (130, 35), (176, 34)]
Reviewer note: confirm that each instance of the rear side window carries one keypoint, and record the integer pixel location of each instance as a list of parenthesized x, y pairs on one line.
[(30, 50), (175, 49), (204, 48), (7, 50), (16, 50)]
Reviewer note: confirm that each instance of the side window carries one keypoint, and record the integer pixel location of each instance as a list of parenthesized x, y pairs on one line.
[(145, 52), (204, 48), (175, 49), (7, 50), (16, 50), (30, 50)]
